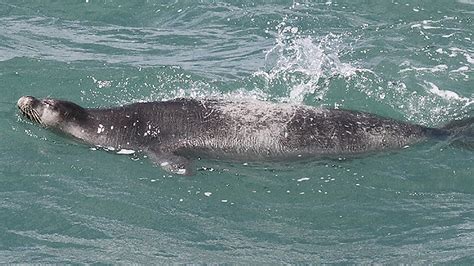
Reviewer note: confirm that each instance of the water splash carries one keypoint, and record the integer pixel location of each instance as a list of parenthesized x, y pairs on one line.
[(302, 62)]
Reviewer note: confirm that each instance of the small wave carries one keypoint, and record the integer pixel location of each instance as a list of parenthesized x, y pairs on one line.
[(447, 94), (467, 2)]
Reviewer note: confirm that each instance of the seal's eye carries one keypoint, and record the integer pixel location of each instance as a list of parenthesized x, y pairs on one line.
[(50, 104)]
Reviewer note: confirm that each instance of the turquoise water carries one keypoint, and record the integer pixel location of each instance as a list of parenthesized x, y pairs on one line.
[(63, 202)]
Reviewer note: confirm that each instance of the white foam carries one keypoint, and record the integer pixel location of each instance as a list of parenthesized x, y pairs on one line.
[(461, 69), (303, 179), (469, 58), (447, 35), (445, 94), (125, 151)]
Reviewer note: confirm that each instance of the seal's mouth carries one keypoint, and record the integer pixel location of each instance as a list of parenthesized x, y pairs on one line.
[(25, 104)]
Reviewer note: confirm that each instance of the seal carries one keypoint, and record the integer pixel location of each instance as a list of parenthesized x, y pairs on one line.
[(172, 132)]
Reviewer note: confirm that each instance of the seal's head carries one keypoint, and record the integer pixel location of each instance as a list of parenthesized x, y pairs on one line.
[(51, 112)]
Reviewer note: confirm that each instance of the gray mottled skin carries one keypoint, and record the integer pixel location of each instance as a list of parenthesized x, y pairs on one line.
[(172, 131)]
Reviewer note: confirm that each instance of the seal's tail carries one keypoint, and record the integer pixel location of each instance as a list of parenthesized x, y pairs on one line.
[(461, 132)]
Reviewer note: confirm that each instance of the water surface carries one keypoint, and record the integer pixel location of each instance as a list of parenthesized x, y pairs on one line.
[(63, 202)]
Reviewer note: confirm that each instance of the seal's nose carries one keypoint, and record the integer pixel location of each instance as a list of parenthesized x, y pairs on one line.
[(25, 101)]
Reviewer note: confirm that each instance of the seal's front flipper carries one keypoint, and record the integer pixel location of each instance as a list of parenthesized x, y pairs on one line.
[(170, 162)]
